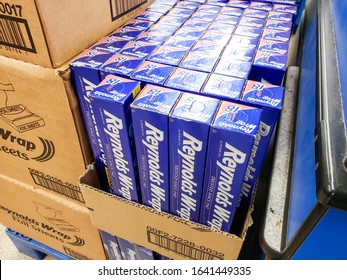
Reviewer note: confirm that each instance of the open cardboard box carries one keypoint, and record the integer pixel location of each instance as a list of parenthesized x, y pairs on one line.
[(53, 221), (163, 233)]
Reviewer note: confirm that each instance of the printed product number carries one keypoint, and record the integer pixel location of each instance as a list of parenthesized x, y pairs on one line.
[(241, 271), (12, 10)]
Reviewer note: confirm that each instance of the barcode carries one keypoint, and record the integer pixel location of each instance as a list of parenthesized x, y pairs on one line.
[(15, 32), (179, 247), (121, 7), (56, 185), (74, 254)]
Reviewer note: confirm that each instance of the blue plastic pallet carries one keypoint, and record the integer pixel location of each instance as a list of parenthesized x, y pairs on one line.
[(32, 248)]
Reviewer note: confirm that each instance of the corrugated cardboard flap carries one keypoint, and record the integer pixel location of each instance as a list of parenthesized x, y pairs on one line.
[(161, 232)]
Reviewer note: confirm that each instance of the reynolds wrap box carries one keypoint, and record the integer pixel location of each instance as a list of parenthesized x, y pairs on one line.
[(200, 61), (198, 24), (168, 55), (278, 25), (110, 44), (179, 42), (180, 13), (252, 22), (231, 139), (233, 68), (111, 246), (152, 73), (85, 77), (288, 17), (270, 99), (188, 5), (231, 11), (111, 105), (224, 87), (235, 52), (164, 28), (187, 80), (220, 38), (243, 41), (170, 20), (190, 33), (212, 48), (120, 65), (209, 9), (126, 33), (265, 6), (149, 15), (255, 13), (273, 46), (153, 37), (269, 67), (219, 27), (150, 114), (189, 130), (276, 35), (203, 16), (285, 9), (253, 32), (159, 7), (138, 24), (127, 249), (227, 19), (243, 4), (138, 49)]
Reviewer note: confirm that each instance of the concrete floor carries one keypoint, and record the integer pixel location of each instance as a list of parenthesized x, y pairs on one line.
[(8, 250)]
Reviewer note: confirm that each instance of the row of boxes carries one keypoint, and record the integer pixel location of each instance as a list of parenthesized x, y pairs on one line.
[(146, 52)]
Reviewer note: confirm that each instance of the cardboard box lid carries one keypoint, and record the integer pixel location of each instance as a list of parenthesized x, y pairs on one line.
[(163, 233)]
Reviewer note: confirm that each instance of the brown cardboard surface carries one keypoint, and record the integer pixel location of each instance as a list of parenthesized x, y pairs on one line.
[(43, 141), (163, 233), (55, 31), (57, 223)]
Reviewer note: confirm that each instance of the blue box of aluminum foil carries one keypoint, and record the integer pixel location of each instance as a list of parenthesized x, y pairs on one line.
[(203, 16), (200, 61), (111, 105), (85, 77), (152, 73), (170, 20), (206, 47), (210, 36), (255, 13), (243, 4), (180, 12), (187, 80), (276, 35), (127, 249), (278, 25), (231, 11), (223, 87), (164, 28), (261, 6), (150, 16), (168, 55), (288, 17), (111, 246), (150, 114), (197, 24), (138, 24), (233, 68), (187, 5), (176, 41), (139, 49), (252, 22), (273, 46), (235, 52), (231, 139), (160, 8), (126, 33), (190, 33), (110, 44), (209, 9), (270, 99), (269, 67), (253, 32), (121, 65), (189, 130), (219, 27), (285, 9), (153, 37), (243, 41)]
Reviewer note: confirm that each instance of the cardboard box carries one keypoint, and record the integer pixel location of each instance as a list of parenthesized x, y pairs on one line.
[(49, 33), (55, 222), (43, 141), (163, 233)]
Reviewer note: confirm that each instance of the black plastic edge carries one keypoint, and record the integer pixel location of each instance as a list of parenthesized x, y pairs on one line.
[(330, 131)]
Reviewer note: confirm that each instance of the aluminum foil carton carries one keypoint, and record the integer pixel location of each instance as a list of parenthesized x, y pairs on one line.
[(189, 131), (111, 101), (150, 113), (231, 139)]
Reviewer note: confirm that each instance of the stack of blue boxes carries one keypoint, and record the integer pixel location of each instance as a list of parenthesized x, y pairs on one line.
[(180, 104)]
